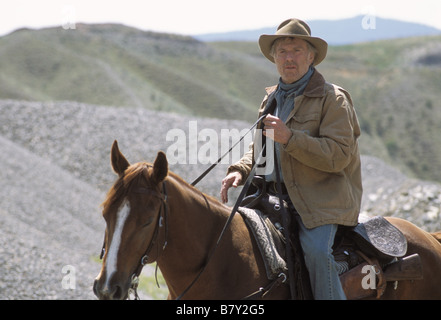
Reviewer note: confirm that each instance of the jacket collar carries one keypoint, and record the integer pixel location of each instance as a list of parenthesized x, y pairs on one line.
[(316, 86)]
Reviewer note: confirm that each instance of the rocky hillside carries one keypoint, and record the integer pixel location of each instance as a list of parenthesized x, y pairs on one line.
[(388, 192), (55, 170)]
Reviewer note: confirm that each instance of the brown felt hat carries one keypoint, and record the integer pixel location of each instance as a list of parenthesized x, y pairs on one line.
[(293, 28)]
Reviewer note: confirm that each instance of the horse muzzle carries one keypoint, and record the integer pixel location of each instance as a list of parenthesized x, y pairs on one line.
[(109, 291)]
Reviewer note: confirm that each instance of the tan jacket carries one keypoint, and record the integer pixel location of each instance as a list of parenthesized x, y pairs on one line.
[(321, 162)]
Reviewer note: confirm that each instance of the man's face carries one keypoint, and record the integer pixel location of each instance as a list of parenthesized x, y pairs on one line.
[(292, 58)]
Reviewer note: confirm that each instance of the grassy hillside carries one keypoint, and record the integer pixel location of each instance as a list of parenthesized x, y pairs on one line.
[(121, 66), (395, 84)]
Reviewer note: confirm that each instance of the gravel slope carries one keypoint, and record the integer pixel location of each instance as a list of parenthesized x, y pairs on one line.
[(54, 169), (48, 219)]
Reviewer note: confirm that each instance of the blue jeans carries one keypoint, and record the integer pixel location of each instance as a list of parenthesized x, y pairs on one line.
[(317, 249)]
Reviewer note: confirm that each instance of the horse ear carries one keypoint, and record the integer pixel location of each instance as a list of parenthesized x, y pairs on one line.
[(119, 162), (160, 167)]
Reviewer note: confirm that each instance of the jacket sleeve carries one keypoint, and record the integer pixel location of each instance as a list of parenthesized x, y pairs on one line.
[(332, 150), (244, 165)]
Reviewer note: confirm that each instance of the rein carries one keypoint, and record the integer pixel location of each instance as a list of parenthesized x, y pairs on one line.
[(226, 153), (230, 218), (236, 205), (262, 291)]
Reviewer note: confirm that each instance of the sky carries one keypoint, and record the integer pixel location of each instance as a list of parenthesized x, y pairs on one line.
[(191, 17)]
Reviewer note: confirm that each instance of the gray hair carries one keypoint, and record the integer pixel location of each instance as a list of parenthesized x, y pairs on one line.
[(311, 48)]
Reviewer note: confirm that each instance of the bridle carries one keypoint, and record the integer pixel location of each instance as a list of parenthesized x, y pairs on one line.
[(149, 256)]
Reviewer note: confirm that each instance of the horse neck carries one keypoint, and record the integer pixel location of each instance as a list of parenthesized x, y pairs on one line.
[(194, 224)]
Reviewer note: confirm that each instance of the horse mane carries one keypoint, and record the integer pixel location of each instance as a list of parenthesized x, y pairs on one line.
[(437, 236), (124, 183), (198, 193)]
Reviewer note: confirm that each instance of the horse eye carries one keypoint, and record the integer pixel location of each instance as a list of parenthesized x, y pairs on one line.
[(148, 222)]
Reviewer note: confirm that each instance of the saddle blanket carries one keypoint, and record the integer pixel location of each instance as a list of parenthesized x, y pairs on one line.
[(260, 227), (374, 236)]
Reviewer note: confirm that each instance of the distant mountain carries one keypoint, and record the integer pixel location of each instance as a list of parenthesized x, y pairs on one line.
[(339, 32)]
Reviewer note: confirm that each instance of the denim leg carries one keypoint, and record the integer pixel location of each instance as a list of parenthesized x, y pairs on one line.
[(317, 248)]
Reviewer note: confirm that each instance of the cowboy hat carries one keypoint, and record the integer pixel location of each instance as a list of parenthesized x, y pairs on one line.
[(293, 28)]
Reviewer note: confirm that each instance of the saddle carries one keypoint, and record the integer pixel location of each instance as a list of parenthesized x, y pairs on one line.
[(373, 243)]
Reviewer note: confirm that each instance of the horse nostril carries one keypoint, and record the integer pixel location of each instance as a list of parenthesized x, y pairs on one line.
[(97, 290), (102, 293), (117, 293), (95, 284)]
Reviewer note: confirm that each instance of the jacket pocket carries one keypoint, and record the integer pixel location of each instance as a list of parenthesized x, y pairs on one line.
[(307, 123)]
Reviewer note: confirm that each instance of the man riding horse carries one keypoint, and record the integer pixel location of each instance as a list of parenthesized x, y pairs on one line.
[(315, 129)]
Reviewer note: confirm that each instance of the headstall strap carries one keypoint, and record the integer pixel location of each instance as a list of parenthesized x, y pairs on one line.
[(162, 222), (103, 248)]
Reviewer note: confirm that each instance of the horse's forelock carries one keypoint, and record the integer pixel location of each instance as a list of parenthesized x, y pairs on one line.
[(124, 182), (135, 172)]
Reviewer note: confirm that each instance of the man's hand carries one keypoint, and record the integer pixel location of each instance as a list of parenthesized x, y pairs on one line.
[(233, 179), (279, 132)]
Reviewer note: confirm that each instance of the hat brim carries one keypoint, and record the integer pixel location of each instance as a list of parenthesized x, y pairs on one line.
[(266, 41)]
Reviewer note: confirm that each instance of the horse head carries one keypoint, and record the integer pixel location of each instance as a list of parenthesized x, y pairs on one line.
[(132, 211)]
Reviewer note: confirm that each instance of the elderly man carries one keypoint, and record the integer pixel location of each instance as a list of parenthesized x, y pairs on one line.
[(315, 129)]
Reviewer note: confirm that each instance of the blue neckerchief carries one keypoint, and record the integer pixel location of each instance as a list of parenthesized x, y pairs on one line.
[(285, 95)]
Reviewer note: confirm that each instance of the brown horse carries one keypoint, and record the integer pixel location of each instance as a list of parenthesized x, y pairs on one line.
[(153, 215)]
